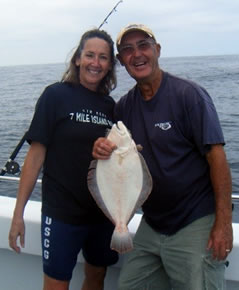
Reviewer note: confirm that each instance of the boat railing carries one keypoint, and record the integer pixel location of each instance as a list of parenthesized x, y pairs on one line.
[(13, 178), (235, 197)]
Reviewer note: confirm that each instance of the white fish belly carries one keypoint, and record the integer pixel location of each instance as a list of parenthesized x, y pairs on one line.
[(120, 181)]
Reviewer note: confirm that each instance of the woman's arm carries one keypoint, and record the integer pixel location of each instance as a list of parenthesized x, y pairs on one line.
[(31, 168)]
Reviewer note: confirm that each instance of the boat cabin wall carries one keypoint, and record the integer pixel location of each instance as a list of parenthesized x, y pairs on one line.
[(22, 271)]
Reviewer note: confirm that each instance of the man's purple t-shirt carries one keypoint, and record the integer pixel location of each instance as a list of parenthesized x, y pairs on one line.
[(175, 128)]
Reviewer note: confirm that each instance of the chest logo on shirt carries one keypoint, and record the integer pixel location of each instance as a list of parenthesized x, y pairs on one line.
[(89, 116), (164, 125)]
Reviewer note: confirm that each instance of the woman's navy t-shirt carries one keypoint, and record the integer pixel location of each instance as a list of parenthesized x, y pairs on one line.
[(67, 121)]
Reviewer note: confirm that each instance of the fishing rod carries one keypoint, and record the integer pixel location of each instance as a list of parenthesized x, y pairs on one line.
[(13, 167), (113, 10)]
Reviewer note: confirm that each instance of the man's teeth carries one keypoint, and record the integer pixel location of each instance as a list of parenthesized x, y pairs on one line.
[(139, 63)]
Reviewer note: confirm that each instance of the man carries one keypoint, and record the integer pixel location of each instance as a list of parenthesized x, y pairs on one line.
[(186, 231)]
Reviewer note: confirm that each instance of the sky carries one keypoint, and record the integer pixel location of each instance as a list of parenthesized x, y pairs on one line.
[(47, 31)]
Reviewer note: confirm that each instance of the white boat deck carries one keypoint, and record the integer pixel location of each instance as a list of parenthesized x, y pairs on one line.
[(24, 271)]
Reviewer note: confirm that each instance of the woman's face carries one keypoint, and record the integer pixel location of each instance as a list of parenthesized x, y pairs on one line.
[(94, 62)]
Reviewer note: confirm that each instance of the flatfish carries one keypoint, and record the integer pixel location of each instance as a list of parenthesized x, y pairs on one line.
[(120, 185)]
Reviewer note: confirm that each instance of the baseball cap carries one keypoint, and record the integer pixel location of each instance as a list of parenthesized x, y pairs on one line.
[(133, 27)]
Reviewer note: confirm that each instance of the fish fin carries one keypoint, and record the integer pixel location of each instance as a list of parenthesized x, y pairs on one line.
[(146, 188), (121, 241), (139, 147), (94, 190)]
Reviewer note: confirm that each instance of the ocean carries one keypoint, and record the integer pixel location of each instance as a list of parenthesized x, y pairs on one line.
[(20, 87)]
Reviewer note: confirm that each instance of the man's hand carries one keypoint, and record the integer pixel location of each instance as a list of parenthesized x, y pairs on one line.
[(103, 148), (220, 240)]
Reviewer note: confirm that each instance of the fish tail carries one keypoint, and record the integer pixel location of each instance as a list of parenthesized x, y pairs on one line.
[(121, 241)]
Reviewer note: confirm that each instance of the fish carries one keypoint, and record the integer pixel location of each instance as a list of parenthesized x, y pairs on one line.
[(120, 185)]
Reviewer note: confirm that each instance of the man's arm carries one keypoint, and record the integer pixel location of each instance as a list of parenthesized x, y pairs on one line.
[(221, 236)]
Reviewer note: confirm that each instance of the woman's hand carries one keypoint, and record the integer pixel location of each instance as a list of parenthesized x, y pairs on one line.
[(17, 230)]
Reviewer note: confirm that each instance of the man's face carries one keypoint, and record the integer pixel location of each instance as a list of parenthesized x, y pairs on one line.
[(139, 54)]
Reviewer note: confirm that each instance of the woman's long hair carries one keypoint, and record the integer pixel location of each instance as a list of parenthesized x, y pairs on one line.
[(109, 82)]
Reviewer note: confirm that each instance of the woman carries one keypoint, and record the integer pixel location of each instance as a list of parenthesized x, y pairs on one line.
[(70, 115)]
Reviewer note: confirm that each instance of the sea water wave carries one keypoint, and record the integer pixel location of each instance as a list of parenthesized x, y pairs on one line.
[(21, 86)]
